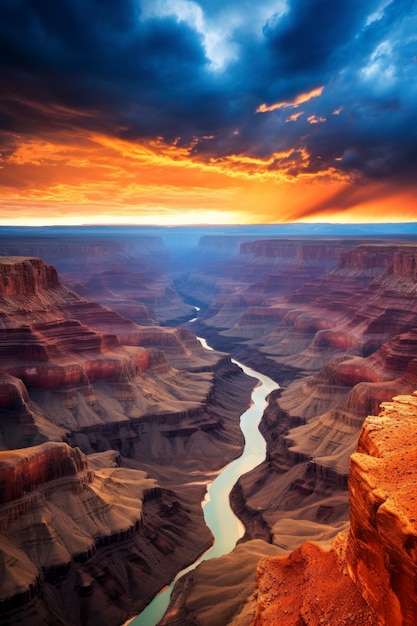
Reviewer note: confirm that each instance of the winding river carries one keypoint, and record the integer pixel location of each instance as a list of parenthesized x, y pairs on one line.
[(219, 517)]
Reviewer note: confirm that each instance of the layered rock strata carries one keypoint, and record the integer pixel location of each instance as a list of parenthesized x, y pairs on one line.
[(340, 345), (250, 281), (80, 545), (125, 272), (78, 373)]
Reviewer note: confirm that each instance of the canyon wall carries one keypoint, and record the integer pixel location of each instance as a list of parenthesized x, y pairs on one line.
[(78, 379), (339, 344), (81, 540), (333, 322)]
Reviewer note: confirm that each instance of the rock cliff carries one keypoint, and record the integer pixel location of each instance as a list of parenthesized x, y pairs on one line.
[(80, 541), (378, 553), (381, 553)]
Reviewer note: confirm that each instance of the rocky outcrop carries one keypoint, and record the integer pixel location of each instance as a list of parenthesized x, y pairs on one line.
[(370, 573), (309, 587), (80, 545), (26, 276), (381, 553)]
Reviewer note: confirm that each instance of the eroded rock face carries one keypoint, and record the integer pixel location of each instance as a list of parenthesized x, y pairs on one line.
[(379, 552), (64, 358), (80, 544), (21, 276)]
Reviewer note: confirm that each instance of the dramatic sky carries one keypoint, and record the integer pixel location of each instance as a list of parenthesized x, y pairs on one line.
[(219, 111)]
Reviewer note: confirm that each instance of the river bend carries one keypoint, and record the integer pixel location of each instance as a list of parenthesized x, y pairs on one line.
[(227, 529)]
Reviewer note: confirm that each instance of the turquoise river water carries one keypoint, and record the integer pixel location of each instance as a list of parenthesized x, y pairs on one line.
[(219, 517)]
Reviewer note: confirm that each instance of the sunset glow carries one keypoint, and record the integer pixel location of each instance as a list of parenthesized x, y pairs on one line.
[(245, 139)]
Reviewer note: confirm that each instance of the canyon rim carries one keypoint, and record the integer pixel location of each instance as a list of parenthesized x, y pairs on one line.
[(114, 418)]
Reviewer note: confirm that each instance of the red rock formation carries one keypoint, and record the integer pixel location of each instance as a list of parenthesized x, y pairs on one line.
[(26, 276), (23, 471), (379, 553)]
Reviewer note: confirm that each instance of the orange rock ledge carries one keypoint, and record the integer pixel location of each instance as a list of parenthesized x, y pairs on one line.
[(370, 574)]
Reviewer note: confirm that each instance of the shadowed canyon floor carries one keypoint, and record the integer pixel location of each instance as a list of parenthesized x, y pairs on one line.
[(137, 402)]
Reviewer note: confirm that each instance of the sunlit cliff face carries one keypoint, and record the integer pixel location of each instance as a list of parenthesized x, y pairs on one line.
[(182, 111)]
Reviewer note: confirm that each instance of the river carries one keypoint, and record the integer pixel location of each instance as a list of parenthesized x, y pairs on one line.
[(227, 529)]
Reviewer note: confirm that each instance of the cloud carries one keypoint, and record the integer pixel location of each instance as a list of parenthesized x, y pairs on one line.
[(304, 97), (193, 76)]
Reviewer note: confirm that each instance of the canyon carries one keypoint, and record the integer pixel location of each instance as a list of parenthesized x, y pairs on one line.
[(113, 413)]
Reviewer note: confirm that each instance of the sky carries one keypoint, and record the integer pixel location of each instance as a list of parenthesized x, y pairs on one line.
[(207, 111)]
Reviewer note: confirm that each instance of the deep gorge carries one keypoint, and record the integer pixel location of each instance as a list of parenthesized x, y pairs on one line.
[(98, 358)]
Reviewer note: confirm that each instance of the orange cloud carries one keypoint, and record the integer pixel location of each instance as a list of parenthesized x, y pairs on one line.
[(313, 119), (80, 178), (294, 117), (304, 97)]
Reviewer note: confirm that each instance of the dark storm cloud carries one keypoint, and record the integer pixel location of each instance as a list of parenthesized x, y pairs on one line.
[(118, 68), (310, 37), (146, 75)]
